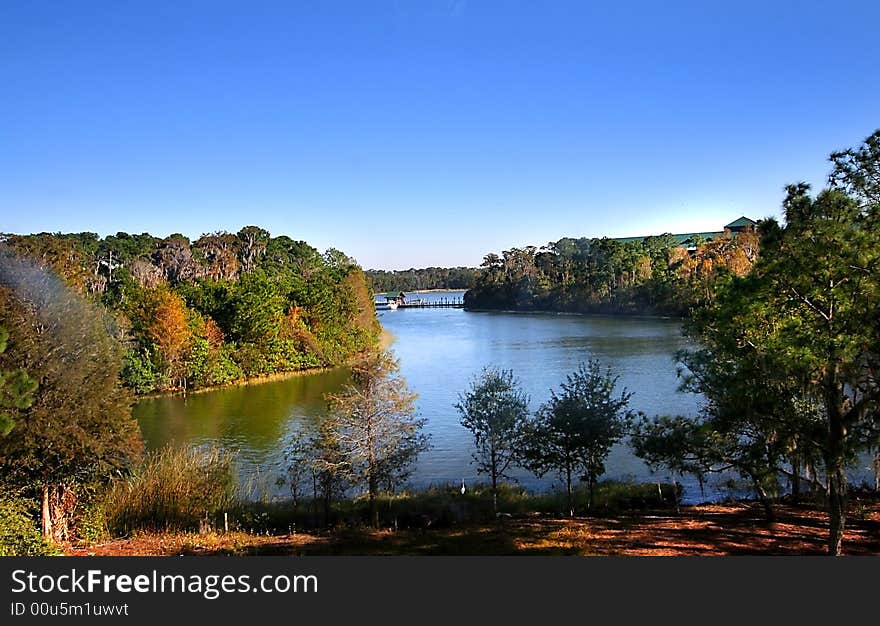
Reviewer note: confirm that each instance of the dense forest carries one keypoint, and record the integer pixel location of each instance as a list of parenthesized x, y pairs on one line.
[(653, 275), (215, 310), (425, 278)]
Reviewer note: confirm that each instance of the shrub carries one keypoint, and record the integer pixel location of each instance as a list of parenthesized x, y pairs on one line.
[(139, 372), (90, 520), (19, 535)]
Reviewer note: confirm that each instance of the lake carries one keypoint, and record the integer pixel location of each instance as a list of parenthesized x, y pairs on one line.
[(440, 350)]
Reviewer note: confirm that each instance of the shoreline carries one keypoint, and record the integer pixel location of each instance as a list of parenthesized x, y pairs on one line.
[(385, 340), (243, 382), (647, 316)]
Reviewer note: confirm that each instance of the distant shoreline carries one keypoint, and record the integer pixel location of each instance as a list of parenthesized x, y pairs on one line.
[(382, 293), (549, 312)]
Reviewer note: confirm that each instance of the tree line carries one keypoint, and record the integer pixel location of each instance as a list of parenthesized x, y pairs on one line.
[(648, 276), (215, 310), (424, 278)]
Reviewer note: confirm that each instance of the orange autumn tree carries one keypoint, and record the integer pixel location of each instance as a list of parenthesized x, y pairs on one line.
[(730, 253), (168, 327)]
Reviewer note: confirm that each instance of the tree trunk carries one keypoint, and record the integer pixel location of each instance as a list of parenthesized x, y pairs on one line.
[(328, 494), (795, 478), (494, 493), (46, 515), (568, 491), (56, 504), (374, 510), (765, 499), (835, 463), (591, 482), (877, 469), (326, 510), (837, 485), (314, 499), (62, 501)]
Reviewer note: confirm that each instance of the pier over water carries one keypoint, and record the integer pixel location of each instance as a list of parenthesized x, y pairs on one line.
[(399, 300)]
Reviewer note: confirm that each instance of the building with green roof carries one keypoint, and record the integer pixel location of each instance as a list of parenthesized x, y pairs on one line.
[(395, 296), (691, 240)]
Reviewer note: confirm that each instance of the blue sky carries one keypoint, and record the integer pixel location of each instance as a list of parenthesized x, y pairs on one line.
[(424, 132)]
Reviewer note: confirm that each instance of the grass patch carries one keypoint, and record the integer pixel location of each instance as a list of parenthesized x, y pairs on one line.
[(181, 489), (446, 506)]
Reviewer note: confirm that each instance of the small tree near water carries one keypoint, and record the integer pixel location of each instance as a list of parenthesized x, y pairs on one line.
[(495, 410), (375, 428), (575, 430)]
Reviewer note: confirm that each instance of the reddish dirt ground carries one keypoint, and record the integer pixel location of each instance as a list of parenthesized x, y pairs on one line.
[(704, 530)]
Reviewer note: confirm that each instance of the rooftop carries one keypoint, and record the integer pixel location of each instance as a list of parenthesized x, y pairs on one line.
[(688, 239)]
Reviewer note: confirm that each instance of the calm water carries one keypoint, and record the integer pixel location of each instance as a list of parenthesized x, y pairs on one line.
[(440, 350)]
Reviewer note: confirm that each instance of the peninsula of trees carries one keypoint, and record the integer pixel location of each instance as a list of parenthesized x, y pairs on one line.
[(222, 308), (654, 275)]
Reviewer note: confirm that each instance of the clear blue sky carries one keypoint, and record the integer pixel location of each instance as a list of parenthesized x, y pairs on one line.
[(424, 132)]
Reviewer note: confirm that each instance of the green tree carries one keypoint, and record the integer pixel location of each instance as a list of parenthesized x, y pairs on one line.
[(253, 241), (803, 312), (574, 431), (375, 427), (16, 390), (857, 172), (79, 425), (495, 411), (754, 422)]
